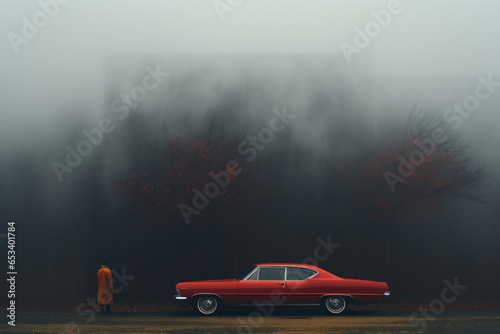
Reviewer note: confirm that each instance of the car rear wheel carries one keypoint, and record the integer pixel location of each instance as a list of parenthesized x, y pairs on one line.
[(335, 304), (207, 304)]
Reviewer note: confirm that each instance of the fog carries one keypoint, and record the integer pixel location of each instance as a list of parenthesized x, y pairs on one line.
[(263, 55)]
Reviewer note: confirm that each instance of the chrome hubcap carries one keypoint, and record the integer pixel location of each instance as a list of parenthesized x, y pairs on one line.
[(207, 304), (335, 304)]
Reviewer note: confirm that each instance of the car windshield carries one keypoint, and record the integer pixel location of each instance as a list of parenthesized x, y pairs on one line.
[(245, 273)]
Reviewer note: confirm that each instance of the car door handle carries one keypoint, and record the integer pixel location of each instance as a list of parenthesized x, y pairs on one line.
[(282, 283)]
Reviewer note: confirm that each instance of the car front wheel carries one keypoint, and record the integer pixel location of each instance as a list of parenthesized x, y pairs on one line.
[(335, 304), (206, 305)]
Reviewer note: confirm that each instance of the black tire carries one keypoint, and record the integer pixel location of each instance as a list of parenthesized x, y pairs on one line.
[(207, 304), (335, 304)]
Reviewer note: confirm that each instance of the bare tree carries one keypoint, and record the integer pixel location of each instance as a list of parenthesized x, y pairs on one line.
[(191, 158), (426, 163), (194, 157)]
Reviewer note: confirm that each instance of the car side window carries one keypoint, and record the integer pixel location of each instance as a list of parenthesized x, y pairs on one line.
[(254, 276), (271, 274), (298, 274)]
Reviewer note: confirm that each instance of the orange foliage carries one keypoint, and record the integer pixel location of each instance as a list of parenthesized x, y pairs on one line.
[(188, 160)]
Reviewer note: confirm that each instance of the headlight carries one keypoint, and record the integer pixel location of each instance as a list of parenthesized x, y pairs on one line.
[(387, 293)]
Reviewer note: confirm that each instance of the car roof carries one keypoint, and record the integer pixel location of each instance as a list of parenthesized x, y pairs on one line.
[(303, 265)]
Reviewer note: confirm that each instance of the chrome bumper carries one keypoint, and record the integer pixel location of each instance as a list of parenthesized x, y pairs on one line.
[(178, 296), (387, 294)]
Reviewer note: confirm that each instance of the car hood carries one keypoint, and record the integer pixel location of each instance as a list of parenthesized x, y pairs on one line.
[(212, 281), (190, 283)]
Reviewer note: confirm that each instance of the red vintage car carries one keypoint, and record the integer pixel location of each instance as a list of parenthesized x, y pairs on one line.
[(281, 284)]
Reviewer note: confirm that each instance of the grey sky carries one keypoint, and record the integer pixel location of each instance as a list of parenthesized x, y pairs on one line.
[(63, 64)]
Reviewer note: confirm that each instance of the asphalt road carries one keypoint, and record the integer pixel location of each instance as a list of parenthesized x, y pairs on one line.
[(244, 321)]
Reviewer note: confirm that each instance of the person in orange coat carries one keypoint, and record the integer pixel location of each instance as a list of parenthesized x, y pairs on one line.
[(104, 288)]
